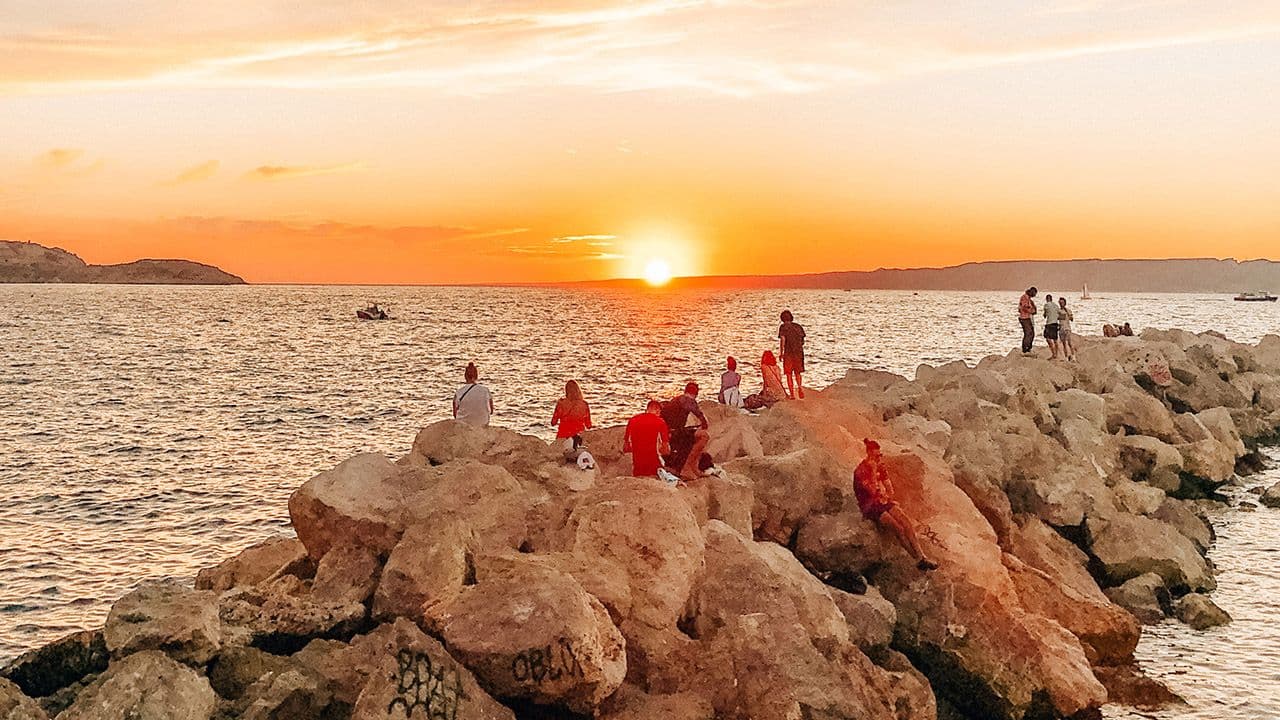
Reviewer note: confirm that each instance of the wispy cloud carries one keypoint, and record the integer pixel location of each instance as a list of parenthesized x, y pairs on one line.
[(58, 158), (196, 173), (286, 172), (567, 248), (66, 163)]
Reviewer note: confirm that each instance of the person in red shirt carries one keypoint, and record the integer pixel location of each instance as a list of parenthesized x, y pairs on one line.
[(571, 417), (647, 439), (874, 491)]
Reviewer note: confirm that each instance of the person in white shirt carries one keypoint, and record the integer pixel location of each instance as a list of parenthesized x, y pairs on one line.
[(1051, 315), (473, 403)]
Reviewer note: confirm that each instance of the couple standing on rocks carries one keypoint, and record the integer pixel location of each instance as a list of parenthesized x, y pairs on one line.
[(1057, 324)]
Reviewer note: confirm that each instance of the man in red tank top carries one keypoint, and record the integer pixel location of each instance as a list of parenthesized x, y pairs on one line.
[(647, 435), (874, 491)]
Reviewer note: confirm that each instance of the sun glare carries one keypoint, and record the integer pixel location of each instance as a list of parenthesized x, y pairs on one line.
[(657, 272)]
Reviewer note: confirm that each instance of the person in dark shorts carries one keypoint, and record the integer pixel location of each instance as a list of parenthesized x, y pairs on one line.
[(647, 439), (791, 348), (1026, 311), (874, 492), (687, 443), (1052, 320)]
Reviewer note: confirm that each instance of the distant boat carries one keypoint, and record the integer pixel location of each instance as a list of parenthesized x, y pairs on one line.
[(373, 312), (1084, 294), (1256, 297)]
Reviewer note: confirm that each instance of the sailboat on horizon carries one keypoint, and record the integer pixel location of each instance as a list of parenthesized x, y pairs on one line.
[(1084, 294)]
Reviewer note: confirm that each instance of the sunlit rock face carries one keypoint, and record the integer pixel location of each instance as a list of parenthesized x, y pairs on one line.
[(482, 576)]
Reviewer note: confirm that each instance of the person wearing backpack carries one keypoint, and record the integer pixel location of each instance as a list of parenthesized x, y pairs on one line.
[(687, 443), (472, 402)]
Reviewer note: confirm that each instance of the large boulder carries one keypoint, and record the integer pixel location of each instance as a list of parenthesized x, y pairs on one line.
[(1207, 464), (648, 530), (1074, 403), (1136, 413), (236, 669), (530, 632), (632, 703), (1144, 596), (1127, 546), (59, 664), (1186, 518), (359, 502), (285, 695), (1200, 612), (16, 706), (1146, 459), (524, 456), (870, 618), (255, 564), (744, 576), (425, 572), (165, 616), (486, 499), (1271, 496), (146, 685), (789, 488), (346, 575), (282, 616)]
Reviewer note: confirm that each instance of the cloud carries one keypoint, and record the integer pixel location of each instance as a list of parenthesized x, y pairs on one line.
[(285, 172), (734, 48), (59, 158), (196, 173), (566, 248)]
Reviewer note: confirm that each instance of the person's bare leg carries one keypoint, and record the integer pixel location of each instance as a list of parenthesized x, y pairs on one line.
[(800, 384), (904, 528), (690, 469), (791, 388)]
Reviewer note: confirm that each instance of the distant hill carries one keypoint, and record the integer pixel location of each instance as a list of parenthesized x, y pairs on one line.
[(22, 262), (1195, 275)]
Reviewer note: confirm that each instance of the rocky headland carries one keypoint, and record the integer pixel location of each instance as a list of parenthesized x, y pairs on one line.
[(479, 576), (22, 262)]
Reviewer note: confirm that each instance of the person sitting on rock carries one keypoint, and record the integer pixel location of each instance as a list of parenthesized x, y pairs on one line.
[(647, 438), (730, 382), (687, 443), (473, 403), (1109, 330), (773, 391), (571, 417), (1126, 331), (874, 491)]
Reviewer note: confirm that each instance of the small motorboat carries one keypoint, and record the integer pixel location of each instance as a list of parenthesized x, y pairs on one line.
[(1256, 297), (373, 312)]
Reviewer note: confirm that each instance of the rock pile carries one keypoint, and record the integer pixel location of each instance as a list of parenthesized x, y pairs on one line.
[(481, 577)]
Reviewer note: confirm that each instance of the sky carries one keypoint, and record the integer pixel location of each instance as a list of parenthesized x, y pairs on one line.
[(399, 141)]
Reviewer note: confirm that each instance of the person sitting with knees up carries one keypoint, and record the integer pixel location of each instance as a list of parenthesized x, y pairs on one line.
[(571, 417), (687, 443), (874, 491)]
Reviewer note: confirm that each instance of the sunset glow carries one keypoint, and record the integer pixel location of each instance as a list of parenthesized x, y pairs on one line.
[(395, 142), (657, 272)]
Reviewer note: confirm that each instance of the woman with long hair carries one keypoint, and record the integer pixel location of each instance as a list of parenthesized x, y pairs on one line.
[(571, 417), (773, 390)]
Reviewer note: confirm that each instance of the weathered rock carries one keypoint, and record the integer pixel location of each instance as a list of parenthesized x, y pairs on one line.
[(1136, 413), (1200, 612), (485, 499), (165, 616), (255, 564), (1208, 461), (1144, 596), (870, 618), (791, 487), (1076, 403), (1128, 686), (521, 455), (534, 633), (285, 695), (424, 573), (346, 574), (732, 436), (1187, 519), (237, 668), (61, 663), (743, 577), (16, 706), (1222, 427), (931, 435), (724, 497), (1137, 498), (1271, 496), (1128, 545), (632, 703), (281, 616), (359, 502), (645, 528), (146, 685), (1146, 459)]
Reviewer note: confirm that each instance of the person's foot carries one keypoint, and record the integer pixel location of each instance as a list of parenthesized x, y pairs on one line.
[(926, 565)]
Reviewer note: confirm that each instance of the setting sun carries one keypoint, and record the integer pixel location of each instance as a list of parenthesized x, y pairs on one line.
[(657, 272)]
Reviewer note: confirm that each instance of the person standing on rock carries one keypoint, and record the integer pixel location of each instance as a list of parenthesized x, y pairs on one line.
[(1026, 311), (687, 443), (647, 438), (571, 417), (1065, 338), (875, 496), (473, 403), (730, 385), (1051, 327), (791, 348)]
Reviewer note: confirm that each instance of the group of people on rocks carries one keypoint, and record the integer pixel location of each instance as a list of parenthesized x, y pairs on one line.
[(1057, 324), (662, 443)]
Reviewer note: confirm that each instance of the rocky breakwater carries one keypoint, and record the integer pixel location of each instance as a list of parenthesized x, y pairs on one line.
[(481, 577)]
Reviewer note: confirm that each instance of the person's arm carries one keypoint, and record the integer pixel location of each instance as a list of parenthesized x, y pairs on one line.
[(490, 403), (555, 415), (697, 412), (455, 406), (588, 422), (626, 439), (664, 440)]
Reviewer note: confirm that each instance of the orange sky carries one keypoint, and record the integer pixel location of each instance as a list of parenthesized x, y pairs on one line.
[(390, 141)]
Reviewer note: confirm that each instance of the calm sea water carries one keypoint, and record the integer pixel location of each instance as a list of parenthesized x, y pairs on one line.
[(146, 432)]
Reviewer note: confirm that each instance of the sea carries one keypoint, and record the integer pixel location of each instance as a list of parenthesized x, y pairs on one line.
[(149, 431)]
